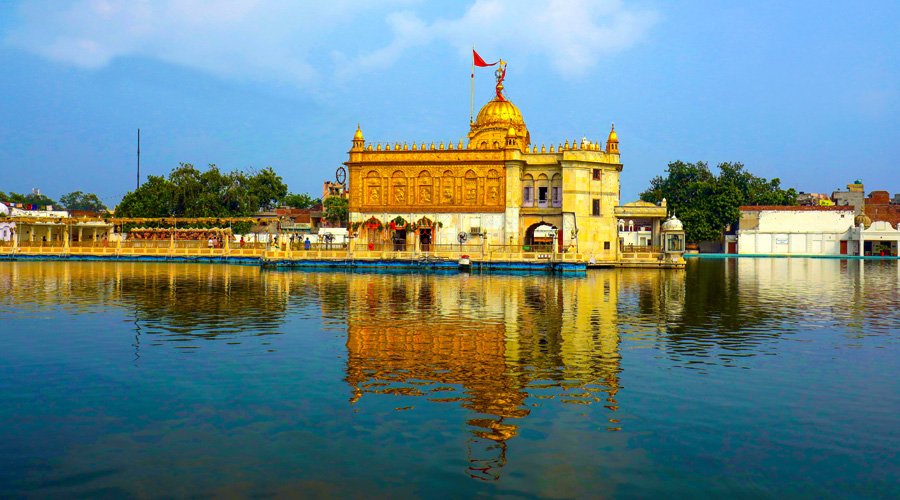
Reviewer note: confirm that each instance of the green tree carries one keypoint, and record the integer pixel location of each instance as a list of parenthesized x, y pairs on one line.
[(707, 203), (300, 201), (189, 192), (336, 210), (266, 189), (30, 198), (155, 198), (77, 200)]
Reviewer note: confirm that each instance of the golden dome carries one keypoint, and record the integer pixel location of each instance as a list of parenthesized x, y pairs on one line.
[(358, 135), (497, 113), (612, 135), (495, 121)]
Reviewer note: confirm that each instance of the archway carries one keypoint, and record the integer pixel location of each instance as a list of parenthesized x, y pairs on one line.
[(539, 237)]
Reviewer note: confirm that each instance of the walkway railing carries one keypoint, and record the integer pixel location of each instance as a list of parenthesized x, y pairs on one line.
[(641, 249), (375, 251)]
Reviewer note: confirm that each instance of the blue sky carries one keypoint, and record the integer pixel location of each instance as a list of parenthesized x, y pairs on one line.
[(808, 92)]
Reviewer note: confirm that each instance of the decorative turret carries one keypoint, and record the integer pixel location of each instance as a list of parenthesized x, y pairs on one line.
[(612, 142), (358, 140), (511, 140), (673, 238)]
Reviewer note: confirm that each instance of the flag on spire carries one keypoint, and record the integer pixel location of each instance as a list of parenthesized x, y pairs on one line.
[(478, 61)]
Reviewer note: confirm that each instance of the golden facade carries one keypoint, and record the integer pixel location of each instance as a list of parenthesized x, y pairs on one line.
[(497, 188)]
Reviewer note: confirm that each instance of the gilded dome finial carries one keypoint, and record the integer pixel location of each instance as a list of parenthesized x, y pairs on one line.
[(500, 73)]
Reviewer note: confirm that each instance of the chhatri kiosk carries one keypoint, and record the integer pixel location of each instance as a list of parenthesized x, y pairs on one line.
[(497, 191)]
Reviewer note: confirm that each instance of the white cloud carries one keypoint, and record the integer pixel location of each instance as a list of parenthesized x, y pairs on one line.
[(305, 44), (572, 35)]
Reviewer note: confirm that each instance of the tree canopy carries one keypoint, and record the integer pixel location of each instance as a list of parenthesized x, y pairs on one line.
[(76, 200), (188, 192), (336, 209), (706, 202), (303, 200), (31, 198)]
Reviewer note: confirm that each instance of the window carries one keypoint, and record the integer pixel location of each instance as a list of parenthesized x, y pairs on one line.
[(606, 245), (597, 174), (528, 197), (596, 207), (528, 191), (675, 243), (556, 190), (542, 184)]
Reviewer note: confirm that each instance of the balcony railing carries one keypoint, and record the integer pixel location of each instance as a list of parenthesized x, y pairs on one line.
[(297, 250), (641, 249)]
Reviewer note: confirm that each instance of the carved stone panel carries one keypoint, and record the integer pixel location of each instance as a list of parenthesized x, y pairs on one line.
[(425, 195), (399, 193), (374, 195), (428, 188)]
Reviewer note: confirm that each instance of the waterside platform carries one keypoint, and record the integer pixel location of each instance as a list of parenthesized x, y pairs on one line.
[(338, 258), (295, 259)]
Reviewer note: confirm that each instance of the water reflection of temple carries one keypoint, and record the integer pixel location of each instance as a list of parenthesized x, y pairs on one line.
[(499, 346)]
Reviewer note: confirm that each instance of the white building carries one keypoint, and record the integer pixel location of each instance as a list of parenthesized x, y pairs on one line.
[(800, 230), (8, 229), (877, 239)]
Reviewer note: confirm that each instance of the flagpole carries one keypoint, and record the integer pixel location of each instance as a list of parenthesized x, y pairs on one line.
[(472, 96)]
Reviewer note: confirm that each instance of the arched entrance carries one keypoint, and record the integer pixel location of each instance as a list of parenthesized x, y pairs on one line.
[(399, 240), (425, 231), (539, 237)]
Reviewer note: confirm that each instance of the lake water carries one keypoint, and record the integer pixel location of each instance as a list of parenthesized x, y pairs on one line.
[(731, 378)]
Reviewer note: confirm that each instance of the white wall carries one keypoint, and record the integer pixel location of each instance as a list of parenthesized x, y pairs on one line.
[(760, 243), (797, 232), (805, 221)]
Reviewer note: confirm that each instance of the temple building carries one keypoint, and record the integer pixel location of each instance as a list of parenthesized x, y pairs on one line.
[(497, 189)]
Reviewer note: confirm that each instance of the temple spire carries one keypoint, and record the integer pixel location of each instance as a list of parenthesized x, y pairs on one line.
[(612, 142)]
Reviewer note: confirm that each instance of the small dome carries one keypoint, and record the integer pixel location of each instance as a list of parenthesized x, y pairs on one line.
[(612, 135), (672, 224), (358, 135), (511, 132), (863, 219)]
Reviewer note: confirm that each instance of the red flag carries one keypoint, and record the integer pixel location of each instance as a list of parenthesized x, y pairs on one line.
[(479, 61)]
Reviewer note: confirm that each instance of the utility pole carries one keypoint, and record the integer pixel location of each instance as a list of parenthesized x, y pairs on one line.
[(139, 160)]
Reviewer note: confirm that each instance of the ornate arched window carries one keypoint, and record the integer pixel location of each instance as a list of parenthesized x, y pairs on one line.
[(528, 191), (556, 191), (542, 187)]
